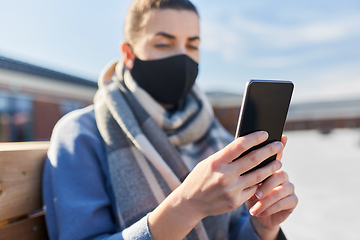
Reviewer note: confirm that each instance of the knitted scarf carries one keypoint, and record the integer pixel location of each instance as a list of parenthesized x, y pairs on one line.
[(150, 150)]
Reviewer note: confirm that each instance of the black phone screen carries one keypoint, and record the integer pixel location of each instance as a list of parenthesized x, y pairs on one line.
[(264, 108)]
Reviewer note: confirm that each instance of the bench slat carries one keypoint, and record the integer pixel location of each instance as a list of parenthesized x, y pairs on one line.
[(28, 229), (20, 178)]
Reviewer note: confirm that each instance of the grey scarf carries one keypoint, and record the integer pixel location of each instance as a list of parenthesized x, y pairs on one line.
[(149, 158)]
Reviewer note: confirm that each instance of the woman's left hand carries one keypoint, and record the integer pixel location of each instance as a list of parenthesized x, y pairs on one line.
[(273, 202)]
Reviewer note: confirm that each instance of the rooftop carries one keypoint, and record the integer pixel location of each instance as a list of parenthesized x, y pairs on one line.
[(18, 66)]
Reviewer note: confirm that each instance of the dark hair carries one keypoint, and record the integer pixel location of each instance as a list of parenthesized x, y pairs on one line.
[(135, 20)]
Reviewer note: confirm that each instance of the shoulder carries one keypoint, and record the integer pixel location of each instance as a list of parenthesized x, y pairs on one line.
[(77, 124), (77, 133), (81, 121)]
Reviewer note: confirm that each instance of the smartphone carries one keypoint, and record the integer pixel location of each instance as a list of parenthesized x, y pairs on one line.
[(264, 107)]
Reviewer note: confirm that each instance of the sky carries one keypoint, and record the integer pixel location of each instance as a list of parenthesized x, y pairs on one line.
[(315, 44)]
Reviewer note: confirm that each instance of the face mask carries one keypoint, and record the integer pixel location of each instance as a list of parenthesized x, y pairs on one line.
[(167, 80)]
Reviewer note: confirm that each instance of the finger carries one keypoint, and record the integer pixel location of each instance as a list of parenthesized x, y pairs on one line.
[(251, 202), (248, 193), (283, 141), (278, 178), (275, 196), (241, 144), (259, 175), (286, 204), (255, 157)]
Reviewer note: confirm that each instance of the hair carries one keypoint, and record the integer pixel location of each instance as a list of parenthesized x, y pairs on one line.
[(135, 20)]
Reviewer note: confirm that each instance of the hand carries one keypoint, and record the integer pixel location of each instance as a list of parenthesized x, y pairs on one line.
[(215, 186), (273, 202)]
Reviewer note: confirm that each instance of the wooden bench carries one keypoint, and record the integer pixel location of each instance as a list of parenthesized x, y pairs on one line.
[(21, 209)]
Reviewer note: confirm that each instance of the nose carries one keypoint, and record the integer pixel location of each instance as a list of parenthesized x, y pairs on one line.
[(180, 50)]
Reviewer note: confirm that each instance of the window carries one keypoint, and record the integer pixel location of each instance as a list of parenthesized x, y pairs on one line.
[(4, 116), (15, 117)]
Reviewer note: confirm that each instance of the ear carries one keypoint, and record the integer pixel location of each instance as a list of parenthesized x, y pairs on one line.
[(128, 55)]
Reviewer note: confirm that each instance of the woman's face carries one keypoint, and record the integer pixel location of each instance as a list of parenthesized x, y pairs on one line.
[(168, 33)]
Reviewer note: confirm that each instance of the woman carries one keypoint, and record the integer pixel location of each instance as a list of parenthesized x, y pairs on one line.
[(120, 169)]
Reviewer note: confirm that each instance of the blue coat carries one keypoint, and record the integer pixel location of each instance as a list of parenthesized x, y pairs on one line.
[(77, 191)]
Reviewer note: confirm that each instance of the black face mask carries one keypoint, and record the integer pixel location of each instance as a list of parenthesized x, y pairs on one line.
[(167, 80)]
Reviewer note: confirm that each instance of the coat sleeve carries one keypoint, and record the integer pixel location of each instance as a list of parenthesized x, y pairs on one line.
[(241, 227), (77, 194)]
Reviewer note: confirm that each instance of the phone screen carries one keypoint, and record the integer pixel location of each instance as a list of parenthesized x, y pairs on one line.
[(265, 106)]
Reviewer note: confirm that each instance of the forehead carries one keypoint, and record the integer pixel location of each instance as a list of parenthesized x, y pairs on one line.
[(175, 22)]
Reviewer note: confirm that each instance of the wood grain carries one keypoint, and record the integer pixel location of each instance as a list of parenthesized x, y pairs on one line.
[(21, 167), (28, 229)]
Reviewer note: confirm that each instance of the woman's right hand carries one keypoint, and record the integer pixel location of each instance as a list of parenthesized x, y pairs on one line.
[(214, 186)]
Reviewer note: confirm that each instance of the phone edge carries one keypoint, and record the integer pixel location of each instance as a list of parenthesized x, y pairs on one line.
[(242, 109)]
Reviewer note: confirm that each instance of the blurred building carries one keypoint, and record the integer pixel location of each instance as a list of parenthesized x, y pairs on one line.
[(33, 99), (323, 116)]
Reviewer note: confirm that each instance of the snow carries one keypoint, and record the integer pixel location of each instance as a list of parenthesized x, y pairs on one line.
[(325, 170)]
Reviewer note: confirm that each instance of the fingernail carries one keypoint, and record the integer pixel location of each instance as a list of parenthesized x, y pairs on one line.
[(265, 134), (278, 164), (279, 145), (252, 212), (258, 194)]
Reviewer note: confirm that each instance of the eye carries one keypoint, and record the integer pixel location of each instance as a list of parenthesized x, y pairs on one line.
[(162, 45), (192, 47)]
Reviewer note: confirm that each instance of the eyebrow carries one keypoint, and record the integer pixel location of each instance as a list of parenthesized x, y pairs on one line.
[(166, 35), (194, 38)]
